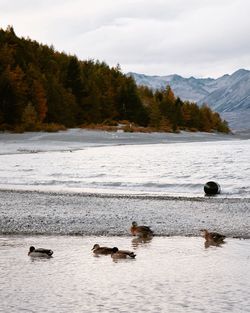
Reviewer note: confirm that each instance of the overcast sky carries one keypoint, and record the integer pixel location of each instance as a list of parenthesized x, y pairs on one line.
[(201, 38)]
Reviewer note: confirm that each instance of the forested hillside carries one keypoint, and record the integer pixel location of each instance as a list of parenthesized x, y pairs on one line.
[(42, 89)]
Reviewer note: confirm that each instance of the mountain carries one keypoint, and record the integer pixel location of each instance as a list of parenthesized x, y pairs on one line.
[(224, 94), (239, 121)]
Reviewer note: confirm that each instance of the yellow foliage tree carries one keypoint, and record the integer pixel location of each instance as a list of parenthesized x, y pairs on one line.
[(29, 118)]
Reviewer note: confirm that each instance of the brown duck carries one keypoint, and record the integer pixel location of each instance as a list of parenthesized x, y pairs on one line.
[(101, 250), (140, 231), (212, 237), (122, 254)]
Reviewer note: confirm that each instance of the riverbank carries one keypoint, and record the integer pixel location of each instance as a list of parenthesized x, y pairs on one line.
[(26, 212)]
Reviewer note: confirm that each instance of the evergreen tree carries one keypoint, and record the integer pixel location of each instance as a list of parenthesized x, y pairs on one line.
[(39, 85), (73, 78)]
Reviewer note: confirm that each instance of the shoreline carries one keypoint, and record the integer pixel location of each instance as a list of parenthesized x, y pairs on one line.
[(77, 139), (48, 213)]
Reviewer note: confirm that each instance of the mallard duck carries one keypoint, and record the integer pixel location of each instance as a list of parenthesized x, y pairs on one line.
[(140, 231), (122, 254), (40, 252), (101, 250), (212, 237)]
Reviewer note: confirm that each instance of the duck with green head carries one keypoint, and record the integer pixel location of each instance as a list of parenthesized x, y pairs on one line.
[(40, 252)]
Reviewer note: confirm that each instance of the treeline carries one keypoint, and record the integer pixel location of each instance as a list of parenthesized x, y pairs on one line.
[(168, 113), (42, 89)]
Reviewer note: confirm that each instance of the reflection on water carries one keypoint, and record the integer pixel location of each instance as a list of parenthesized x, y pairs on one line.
[(208, 244), (140, 241), (169, 274)]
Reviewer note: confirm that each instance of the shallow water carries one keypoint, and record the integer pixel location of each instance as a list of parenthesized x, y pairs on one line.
[(169, 274)]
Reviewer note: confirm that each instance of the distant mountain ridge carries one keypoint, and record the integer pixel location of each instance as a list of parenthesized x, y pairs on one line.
[(225, 94)]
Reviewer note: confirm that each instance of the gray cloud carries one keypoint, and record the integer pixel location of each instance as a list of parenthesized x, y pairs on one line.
[(188, 37)]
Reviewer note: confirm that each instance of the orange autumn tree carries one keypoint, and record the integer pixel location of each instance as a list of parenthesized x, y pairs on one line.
[(41, 86)]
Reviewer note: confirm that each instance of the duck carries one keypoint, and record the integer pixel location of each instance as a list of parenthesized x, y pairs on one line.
[(212, 237), (140, 231), (40, 252), (101, 250), (122, 254)]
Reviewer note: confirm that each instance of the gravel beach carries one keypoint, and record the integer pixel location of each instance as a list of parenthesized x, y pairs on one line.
[(31, 212)]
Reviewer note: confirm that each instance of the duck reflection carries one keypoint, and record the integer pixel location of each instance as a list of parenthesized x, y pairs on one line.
[(208, 244), (140, 241)]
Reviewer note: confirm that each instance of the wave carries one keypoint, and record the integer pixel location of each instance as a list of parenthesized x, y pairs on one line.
[(185, 190), (38, 151), (28, 190)]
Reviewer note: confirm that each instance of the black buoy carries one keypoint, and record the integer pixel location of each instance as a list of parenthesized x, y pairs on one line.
[(211, 188)]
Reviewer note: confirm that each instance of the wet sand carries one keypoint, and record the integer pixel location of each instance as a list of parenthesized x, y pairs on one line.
[(26, 212)]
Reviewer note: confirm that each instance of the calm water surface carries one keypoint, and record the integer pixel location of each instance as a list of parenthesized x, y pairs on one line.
[(169, 274)]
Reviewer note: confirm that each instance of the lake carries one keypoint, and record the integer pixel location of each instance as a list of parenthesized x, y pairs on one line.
[(169, 274), (99, 162)]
